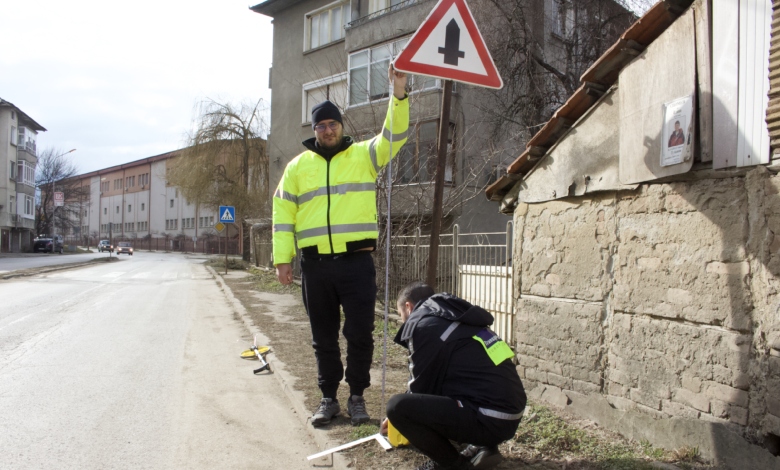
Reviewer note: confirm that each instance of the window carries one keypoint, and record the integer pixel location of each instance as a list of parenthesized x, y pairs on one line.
[(105, 211), (416, 162), (12, 170), (117, 209), (129, 208), (29, 206), (326, 25), (13, 135), (368, 74), (171, 202), (331, 88), (26, 140), (562, 20), (143, 206), (25, 173), (13, 115)]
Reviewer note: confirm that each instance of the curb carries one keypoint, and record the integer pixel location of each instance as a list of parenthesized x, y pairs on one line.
[(45, 270), (285, 381)]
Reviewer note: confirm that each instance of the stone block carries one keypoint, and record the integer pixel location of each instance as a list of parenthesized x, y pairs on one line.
[(679, 410), (620, 403), (621, 378), (726, 394), (536, 375), (771, 424), (644, 398), (650, 411), (585, 387), (719, 409), (561, 257), (691, 383), (773, 403), (520, 371), (738, 415), (555, 396), (527, 361), (695, 400), (664, 271), (559, 381)]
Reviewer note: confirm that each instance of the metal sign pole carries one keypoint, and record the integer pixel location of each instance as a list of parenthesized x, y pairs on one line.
[(227, 230), (438, 192)]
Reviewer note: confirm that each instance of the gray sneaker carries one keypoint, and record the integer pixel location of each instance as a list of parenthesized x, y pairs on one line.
[(325, 412), (356, 407)]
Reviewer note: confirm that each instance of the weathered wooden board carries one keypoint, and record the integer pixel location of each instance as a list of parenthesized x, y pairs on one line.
[(702, 10), (584, 160), (664, 72)]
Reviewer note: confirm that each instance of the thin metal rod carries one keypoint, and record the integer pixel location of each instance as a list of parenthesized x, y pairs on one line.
[(389, 226)]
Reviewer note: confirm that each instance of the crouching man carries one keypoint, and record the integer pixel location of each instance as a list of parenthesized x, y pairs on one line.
[(464, 386)]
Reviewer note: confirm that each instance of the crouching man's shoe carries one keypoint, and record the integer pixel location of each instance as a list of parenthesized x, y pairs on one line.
[(483, 457), (325, 412), (462, 464)]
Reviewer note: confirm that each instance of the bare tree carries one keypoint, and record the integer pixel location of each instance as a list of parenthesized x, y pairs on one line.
[(56, 173), (542, 49), (226, 162)]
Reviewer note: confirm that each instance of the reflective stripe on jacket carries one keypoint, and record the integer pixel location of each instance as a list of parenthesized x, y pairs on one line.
[(329, 203)]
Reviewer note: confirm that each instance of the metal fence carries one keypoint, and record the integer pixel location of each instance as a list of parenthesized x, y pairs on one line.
[(475, 266), (212, 245)]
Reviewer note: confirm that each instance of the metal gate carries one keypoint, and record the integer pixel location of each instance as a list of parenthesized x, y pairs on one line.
[(475, 266)]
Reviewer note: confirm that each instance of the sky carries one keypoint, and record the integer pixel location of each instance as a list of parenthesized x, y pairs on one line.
[(119, 81)]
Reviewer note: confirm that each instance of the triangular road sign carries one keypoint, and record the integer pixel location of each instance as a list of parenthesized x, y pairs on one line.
[(449, 45)]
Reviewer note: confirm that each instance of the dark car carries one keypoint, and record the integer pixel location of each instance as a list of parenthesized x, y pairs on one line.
[(48, 244), (124, 247), (105, 245)]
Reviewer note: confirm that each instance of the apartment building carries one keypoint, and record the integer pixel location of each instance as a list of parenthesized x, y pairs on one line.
[(134, 201), (340, 50), (18, 158)]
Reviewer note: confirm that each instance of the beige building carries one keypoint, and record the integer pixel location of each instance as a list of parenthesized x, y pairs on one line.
[(646, 265), (133, 201), (18, 158)]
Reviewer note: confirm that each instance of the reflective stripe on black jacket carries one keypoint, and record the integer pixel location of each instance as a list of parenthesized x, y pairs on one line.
[(446, 360)]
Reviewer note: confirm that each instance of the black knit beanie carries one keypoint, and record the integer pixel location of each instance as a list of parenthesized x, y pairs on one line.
[(325, 110)]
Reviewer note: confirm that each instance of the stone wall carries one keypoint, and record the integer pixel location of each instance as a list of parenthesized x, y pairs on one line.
[(663, 300)]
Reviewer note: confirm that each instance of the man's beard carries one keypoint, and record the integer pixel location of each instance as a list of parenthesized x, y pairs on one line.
[(330, 148)]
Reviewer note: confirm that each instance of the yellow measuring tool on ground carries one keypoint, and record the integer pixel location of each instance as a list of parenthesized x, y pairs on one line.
[(258, 352)]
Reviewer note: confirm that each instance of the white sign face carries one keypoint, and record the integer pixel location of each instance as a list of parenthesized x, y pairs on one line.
[(59, 199), (448, 45), (678, 129)]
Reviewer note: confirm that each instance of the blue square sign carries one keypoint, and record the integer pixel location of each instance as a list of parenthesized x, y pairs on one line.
[(227, 214)]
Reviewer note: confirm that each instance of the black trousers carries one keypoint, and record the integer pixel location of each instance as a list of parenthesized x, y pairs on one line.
[(430, 422), (330, 284)]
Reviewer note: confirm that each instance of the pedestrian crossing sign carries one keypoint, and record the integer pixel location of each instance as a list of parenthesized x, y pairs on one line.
[(227, 214)]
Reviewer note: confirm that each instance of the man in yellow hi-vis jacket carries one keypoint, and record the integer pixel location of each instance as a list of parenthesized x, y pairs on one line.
[(326, 201)]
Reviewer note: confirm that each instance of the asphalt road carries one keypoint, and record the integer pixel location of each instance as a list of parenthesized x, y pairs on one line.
[(135, 364)]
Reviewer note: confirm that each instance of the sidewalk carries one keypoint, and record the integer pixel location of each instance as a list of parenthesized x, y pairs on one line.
[(285, 381)]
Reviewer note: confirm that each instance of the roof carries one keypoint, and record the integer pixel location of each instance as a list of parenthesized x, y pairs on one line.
[(124, 166), (594, 82), (272, 7), (23, 117)]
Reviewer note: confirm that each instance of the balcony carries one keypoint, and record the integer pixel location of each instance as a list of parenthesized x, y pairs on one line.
[(408, 15), (28, 147)]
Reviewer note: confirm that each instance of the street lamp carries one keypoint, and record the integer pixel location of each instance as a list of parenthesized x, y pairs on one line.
[(54, 207)]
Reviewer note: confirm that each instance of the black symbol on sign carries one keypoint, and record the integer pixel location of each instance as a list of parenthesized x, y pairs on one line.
[(452, 44)]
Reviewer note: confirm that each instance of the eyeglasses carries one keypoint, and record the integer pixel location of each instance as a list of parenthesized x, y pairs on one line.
[(333, 125)]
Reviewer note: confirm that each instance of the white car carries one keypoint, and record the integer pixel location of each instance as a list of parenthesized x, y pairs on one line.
[(105, 245)]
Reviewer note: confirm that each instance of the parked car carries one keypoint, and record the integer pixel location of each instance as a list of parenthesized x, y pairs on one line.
[(48, 244), (124, 247), (105, 245)]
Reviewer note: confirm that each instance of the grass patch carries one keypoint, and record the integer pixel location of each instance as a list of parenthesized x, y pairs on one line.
[(268, 282), (363, 430), (547, 435)]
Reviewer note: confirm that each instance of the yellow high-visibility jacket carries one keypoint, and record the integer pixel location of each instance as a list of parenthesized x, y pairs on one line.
[(329, 204)]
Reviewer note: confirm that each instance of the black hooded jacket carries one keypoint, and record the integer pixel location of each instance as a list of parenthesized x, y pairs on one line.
[(446, 360)]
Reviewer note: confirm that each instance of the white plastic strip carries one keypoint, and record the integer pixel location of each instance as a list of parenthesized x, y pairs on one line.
[(378, 437)]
